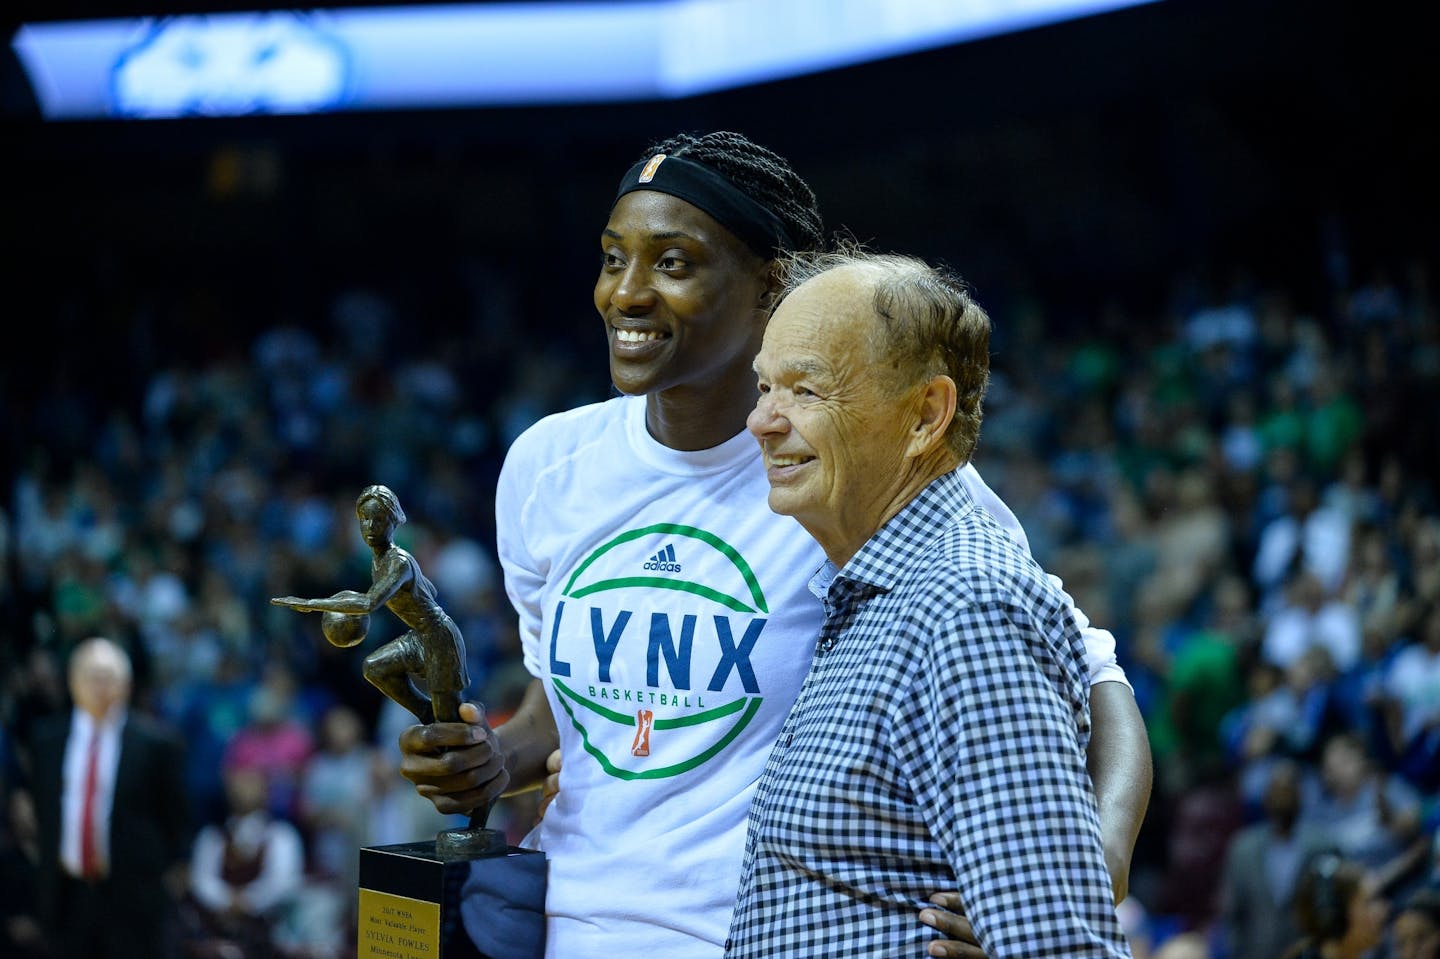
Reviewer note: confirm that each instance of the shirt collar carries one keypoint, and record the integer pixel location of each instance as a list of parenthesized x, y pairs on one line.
[(890, 552), (86, 724)]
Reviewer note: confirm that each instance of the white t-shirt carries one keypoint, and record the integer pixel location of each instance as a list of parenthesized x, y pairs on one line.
[(665, 609)]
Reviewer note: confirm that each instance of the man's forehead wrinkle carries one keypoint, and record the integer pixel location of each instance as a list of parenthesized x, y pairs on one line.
[(792, 365)]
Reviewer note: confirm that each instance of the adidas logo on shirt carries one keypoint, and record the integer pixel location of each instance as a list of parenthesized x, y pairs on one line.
[(664, 561)]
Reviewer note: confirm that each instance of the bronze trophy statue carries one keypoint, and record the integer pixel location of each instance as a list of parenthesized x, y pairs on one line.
[(432, 649), (469, 895)]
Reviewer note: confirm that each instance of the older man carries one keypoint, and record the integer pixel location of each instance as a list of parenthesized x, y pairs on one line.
[(113, 821), (942, 638)]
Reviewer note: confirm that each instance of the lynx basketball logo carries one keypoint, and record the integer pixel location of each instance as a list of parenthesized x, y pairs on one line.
[(650, 650)]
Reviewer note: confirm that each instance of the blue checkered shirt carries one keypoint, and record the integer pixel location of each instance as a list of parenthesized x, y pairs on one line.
[(938, 744)]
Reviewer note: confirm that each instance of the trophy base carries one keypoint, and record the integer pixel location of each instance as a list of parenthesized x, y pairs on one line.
[(470, 843), (466, 895)]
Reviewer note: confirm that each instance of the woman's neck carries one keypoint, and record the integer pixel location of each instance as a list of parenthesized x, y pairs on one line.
[(687, 418)]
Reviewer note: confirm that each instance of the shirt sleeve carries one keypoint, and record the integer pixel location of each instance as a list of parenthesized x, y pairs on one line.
[(1013, 811), (205, 883), (1100, 661), (1099, 643), (523, 579)]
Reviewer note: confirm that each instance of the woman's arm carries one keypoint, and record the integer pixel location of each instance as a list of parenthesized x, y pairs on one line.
[(1120, 768)]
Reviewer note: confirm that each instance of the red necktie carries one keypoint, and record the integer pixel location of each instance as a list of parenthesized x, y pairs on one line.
[(89, 855)]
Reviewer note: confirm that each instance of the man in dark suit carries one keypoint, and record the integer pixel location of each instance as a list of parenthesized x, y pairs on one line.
[(1262, 869), (110, 813)]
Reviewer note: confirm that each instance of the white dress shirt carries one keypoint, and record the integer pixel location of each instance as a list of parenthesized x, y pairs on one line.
[(72, 799)]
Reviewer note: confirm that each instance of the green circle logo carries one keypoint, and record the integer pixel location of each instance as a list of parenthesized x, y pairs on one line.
[(623, 726)]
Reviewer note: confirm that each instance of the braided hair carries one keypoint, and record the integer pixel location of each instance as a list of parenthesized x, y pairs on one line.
[(762, 175)]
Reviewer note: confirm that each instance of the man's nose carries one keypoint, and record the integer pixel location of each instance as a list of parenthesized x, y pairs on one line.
[(765, 419)]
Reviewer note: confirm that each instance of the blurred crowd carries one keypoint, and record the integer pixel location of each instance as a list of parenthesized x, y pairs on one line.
[(1244, 491), (165, 520), (1241, 488)]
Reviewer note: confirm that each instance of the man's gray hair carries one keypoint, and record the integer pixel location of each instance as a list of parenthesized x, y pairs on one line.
[(930, 323)]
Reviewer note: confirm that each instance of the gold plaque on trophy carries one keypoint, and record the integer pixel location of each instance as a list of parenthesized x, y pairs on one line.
[(418, 902)]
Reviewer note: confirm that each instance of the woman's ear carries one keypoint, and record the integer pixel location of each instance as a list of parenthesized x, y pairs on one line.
[(774, 285)]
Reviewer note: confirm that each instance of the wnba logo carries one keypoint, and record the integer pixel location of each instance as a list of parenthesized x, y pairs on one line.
[(644, 722), (648, 174)]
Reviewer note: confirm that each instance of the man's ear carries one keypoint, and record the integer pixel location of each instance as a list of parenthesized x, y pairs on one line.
[(935, 410)]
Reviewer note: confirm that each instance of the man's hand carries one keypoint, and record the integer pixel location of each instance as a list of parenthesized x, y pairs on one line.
[(950, 921), (457, 766)]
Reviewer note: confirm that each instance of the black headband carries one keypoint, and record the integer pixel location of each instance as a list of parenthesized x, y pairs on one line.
[(757, 227)]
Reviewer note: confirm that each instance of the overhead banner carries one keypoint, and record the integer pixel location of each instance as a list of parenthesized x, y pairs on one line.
[(446, 56)]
